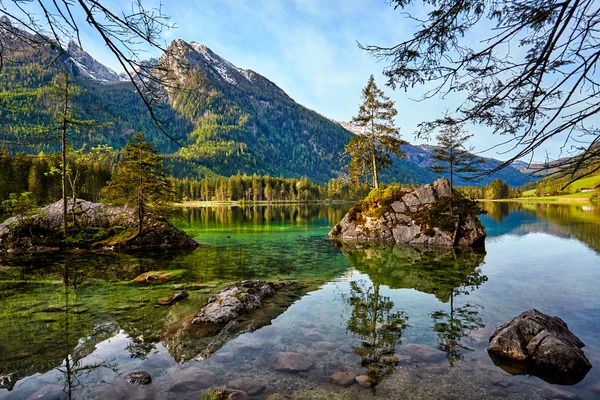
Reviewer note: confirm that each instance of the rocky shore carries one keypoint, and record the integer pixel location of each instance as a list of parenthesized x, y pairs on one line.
[(97, 226)]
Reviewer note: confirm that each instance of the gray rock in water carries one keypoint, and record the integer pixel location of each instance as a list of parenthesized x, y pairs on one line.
[(174, 298), (287, 361), (542, 345), (235, 300), (248, 385), (344, 376), (138, 378), (193, 379), (407, 220)]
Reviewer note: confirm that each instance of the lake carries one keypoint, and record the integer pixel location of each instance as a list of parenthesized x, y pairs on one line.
[(416, 320)]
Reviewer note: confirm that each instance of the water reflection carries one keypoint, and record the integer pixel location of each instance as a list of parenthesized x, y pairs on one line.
[(579, 221), (445, 272), (434, 270), (379, 328)]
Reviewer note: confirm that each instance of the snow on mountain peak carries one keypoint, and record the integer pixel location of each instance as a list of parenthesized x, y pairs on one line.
[(91, 69), (223, 67)]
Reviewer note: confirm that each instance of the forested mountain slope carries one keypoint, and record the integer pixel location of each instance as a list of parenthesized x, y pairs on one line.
[(229, 120)]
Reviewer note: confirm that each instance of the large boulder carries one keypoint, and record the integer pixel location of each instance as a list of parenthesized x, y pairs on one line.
[(420, 216), (540, 345), (235, 300)]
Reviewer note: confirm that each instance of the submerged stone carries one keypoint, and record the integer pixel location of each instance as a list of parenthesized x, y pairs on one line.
[(344, 376), (248, 385), (193, 379), (174, 298), (233, 301), (364, 381), (138, 378), (288, 361)]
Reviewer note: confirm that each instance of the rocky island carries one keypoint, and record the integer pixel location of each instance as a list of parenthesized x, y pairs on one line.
[(429, 215), (96, 226)]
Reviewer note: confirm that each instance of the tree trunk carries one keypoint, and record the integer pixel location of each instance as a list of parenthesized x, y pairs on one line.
[(64, 155), (375, 180)]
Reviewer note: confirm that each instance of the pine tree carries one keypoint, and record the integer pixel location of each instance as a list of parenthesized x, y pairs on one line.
[(140, 181), (372, 150), (451, 156)]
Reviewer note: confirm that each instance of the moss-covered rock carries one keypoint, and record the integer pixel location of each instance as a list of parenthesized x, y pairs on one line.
[(430, 215)]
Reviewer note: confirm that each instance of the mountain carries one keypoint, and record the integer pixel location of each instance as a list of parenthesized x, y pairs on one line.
[(230, 120)]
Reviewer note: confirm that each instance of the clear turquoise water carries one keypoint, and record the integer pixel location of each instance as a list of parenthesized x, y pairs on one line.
[(536, 257)]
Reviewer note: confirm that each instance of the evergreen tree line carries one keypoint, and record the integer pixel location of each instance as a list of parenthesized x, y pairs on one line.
[(36, 175), (22, 173), (265, 188), (496, 190)]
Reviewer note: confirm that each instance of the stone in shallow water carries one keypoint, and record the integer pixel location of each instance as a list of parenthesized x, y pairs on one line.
[(540, 345), (344, 376), (364, 381), (174, 298), (422, 353), (288, 361), (327, 346), (222, 357), (311, 334), (50, 392), (248, 385), (138, 378), (344, 348), (555, 393), (193, 379)]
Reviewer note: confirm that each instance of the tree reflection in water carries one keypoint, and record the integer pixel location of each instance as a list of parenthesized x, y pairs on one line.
[(378, 327), (74, 368), (454, 325)]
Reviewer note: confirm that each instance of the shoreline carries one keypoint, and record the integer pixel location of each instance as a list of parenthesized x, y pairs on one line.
[(239, 203), (577, 200)]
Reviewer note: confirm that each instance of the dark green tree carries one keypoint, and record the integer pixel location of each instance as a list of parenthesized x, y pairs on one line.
[(372, 150), (526, 68), (140, 181), (451, 156)]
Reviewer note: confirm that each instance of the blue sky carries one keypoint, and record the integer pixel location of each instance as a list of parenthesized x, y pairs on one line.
[(309, 49)]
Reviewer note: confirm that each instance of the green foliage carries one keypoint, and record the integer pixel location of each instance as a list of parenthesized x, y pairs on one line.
[(140, 181), (497, 189), (377, 203), (448, 211), (21, 205), (451, 156), (372, 150)]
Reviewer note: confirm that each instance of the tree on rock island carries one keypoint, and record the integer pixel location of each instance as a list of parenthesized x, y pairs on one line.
[(140, 181), (372, 150), (451, 156)]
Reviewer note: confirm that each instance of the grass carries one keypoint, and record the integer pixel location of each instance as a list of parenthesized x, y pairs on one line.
[(574, 189)]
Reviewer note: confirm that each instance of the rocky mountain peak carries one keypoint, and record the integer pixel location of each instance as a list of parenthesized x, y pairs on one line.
[(84, 65)]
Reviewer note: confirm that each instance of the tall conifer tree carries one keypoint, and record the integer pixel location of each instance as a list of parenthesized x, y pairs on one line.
[(140, 181), (372, 150), (451, 156)]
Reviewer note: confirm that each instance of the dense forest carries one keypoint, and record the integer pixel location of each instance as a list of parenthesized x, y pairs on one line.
[(37, 175)]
